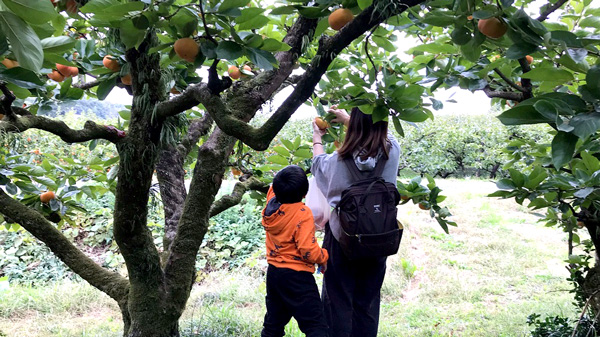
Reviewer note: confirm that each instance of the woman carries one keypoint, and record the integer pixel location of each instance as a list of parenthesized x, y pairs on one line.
[(351, 289)]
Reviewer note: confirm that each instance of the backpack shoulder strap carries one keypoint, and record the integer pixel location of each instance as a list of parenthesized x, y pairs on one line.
[(378, 171), (354, 172)]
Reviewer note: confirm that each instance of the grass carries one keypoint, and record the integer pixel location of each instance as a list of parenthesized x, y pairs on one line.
[(482, 279)]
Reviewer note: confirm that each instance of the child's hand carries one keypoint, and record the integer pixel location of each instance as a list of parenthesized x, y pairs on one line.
[(323, 268)]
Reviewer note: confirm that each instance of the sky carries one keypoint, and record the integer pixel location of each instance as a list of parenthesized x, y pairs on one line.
[(467, 103)]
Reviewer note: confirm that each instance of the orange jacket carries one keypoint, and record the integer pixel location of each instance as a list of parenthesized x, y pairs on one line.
[(291, 241)]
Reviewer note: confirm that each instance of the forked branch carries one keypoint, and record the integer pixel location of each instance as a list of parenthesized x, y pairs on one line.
[(90, 130), (240, 188), (106, 281)]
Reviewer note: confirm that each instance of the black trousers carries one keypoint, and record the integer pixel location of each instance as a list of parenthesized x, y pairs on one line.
[(295, 294), (351, 292)]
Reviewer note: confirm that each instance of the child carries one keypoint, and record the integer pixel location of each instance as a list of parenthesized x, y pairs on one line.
[(292, 252)]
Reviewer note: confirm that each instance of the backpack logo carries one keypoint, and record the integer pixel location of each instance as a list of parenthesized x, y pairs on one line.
[(377, 208)]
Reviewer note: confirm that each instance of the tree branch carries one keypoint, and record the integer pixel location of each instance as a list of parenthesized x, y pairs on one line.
[(511, 95), (198, 128), (90, 130), (509, 81), (259, 139), (85, 86), (240, 188), (525, 82), (112, 284), (545, 14), (215, 84), (6, 101)]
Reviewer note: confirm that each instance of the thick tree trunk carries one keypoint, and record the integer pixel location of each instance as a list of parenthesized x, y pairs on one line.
[(156, 329), (171, 178)]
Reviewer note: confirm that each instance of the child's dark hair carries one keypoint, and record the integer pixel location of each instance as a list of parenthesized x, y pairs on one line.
[(290, 185)]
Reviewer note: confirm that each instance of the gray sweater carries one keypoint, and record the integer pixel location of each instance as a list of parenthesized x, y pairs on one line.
[(332, 176)]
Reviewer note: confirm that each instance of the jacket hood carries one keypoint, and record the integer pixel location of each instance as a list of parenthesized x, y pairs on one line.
[(366, 164), (275, 217)]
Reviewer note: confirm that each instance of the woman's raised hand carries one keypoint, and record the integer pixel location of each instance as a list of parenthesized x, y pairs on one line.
[(341, 115)]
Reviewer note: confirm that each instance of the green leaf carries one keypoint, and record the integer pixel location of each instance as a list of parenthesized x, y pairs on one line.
[(380, 113), (535, 178), (549, 74), (116, 11), (522, 114), (591, 22), (277, 159), (229, 4), (439, 19), (546, 109), (505, 184), (25, 44), (461, 35), (520, 50), (105, 87), (384, 43), (97, 6), (282, 151), (303, 153), (125, 114), (283, 10), (398, 126), (130, 35), (289, 145), (58, 44), (186, 22), (273, 45), (263, 59), (471, 51), (229, 50), (46, 182), (592, 79), (21, 77), (312, 12), (483, 14), (517, 177), (585, 124), (413, 115), (364, 3), (434, 48), (34, 11), (563, 147), (255, 22)]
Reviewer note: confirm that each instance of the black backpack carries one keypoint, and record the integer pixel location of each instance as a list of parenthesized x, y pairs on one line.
[(367, 213)]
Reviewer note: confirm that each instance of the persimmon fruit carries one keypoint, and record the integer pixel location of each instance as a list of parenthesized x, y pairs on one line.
[(321, 123), (67, 71), (234, 72), (47, 196), (186, 48), (126, 79), (111, 63), (339, 18), (8, 63), (492, 27), (56, 76), (529, 59)]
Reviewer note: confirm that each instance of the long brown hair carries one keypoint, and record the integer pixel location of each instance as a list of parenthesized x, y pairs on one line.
[(364, 136)]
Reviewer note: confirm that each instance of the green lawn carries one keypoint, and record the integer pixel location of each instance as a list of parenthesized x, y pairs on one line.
[(483, 279)]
